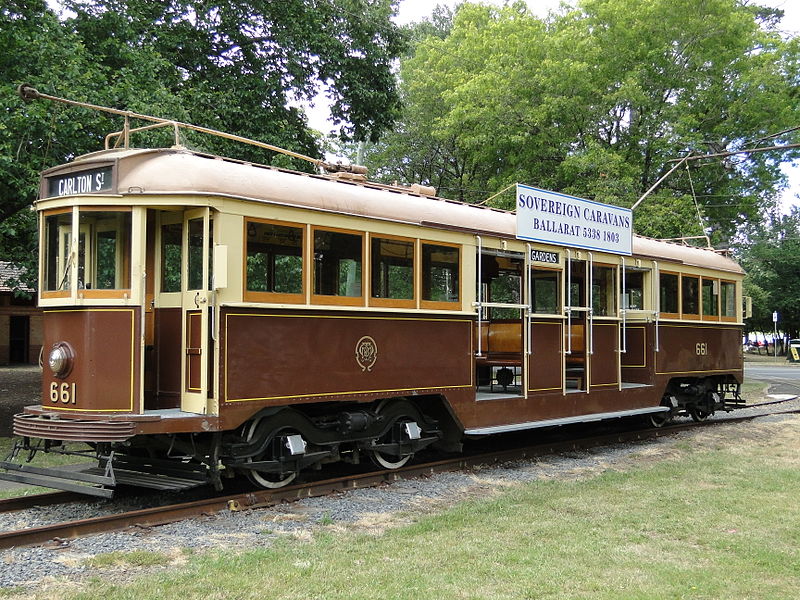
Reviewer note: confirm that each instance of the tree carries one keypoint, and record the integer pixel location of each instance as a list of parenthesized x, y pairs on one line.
[(241, 67), (771, 258), (596, 100)]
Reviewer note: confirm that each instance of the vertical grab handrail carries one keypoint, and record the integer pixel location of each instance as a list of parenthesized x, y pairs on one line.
[(590, 304), (528, 301), (568, 302), (656, 301), (480, 297), (623, 303)]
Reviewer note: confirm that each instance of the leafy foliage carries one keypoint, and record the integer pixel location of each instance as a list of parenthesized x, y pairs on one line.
[(771, 257), (595, 101), (241, 67)]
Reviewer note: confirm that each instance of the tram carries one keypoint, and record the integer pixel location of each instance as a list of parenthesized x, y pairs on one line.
[(206, 318)]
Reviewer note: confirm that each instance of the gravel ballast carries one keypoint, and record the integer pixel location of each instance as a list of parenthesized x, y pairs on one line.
[(371, 510)]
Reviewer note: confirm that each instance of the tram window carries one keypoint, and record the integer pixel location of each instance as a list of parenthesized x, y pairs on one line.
[(392, 268), (710, 297), (274, 258), (440, 272), (505, 288), (337, 263), (728, 292), (195, 257), (58, 240), (668, 291), (603, 287), (634, 290), (104, 249), (171, 236), (690, 295), (545, 289)]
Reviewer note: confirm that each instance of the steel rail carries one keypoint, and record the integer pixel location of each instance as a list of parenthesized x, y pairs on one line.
[(48, 499), (151, 517)]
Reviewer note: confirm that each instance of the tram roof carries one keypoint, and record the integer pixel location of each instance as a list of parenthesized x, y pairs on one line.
[(180, 171)]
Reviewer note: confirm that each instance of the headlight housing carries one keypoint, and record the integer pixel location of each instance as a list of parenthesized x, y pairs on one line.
[(61, 359)]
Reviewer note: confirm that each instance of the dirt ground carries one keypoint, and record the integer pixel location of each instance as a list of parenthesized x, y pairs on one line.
[(20, 386)]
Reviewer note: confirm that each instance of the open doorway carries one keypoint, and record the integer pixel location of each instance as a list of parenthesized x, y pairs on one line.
[(19, 338), (499, 361), (575, 334)]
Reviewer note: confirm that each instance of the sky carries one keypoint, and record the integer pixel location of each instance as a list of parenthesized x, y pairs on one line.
[(415, 10)]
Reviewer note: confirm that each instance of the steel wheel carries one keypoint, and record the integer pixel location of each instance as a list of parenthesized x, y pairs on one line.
[(659, 419), (273, 451), (395, 434), (698, 414)]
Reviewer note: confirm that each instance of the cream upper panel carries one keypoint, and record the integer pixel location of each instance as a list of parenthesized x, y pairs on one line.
[(183, 177)]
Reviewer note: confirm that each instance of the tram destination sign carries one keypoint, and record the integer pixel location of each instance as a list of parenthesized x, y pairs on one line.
[(555, 218), (92, 181)]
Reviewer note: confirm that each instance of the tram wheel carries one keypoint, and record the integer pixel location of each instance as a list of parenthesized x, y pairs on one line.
[(659, 419), (698, 414), (274, 451), (396, 434)]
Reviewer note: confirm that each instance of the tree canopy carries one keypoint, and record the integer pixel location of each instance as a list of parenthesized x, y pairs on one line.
[(595, 100), (241, 67), (771, 256)]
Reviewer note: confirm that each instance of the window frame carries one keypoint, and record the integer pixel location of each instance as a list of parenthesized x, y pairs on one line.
[(276, 297), (687, 315), (669, 315), (165, 219), (126, 259), (43, 253), (340, 300), (416, 265), (704, 316), (722, 315), (559, 272), (439, 304), (612, 293)]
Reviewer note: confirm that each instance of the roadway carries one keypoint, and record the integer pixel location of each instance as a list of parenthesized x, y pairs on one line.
[(784, 376)]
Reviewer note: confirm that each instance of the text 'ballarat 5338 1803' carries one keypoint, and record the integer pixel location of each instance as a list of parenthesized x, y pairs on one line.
[(206, 317)]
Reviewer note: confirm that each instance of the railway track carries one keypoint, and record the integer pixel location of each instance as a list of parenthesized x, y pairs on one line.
[(162, 515)]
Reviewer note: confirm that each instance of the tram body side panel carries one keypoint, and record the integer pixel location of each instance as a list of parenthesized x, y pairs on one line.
[(274, 358), (104, 377), (699, 349), (637, 359)]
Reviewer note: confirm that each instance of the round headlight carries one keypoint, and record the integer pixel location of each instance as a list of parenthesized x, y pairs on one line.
[(60, 359)]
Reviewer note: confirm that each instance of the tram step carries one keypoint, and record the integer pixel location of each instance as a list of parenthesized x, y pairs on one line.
[(82, 482)]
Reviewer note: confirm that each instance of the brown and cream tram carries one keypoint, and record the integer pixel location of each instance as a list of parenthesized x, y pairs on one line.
[(206, 317)]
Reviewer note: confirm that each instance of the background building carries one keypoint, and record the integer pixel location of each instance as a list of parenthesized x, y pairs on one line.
[(20, 320)]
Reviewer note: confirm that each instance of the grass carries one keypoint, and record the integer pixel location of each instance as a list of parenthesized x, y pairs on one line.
[(136, 558), (716, 519), (42, 459)]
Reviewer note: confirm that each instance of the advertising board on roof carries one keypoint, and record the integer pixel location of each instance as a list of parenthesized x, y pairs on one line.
[(554, 218)]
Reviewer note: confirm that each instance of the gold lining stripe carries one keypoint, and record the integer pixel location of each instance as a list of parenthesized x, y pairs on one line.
[(701, 371), (644, 349), (330, 394), (560, 325), (133, 361), (191, 314)]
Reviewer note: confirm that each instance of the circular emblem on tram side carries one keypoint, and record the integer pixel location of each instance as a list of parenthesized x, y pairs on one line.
[(366, 353)]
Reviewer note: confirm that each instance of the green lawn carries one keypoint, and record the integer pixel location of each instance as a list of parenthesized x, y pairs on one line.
[(42, 459), (714, 515)]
